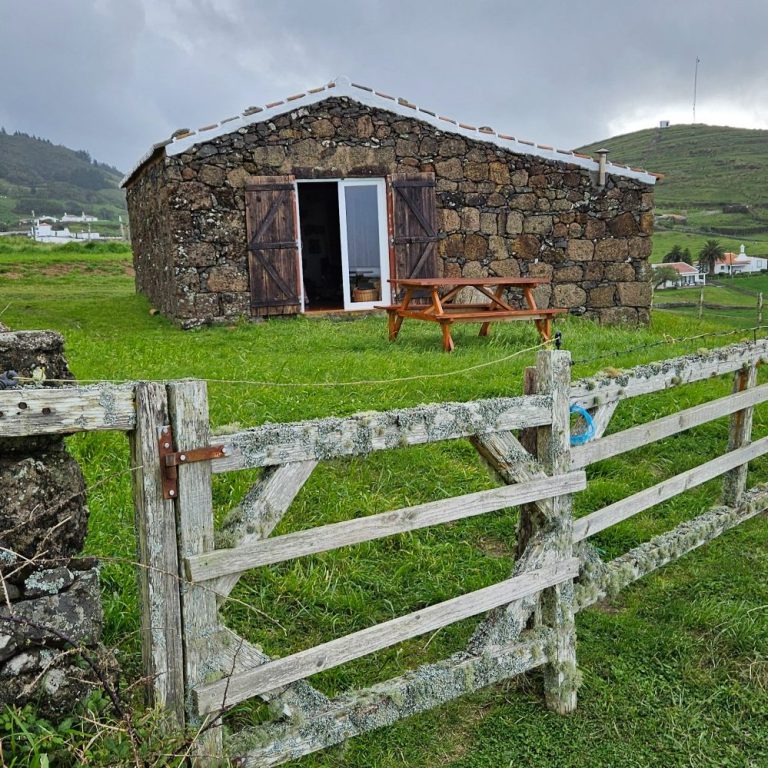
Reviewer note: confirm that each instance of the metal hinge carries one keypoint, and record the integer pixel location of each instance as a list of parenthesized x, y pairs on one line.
[(170, 460)]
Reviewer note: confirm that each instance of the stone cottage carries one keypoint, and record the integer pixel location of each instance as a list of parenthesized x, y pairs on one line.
[(315, 202)]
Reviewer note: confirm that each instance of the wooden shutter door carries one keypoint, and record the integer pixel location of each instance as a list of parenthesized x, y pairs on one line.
[(414, 224), (273, 246)]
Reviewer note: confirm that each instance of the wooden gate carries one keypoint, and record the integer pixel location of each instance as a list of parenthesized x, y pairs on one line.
[(222, 669), (530, 619)]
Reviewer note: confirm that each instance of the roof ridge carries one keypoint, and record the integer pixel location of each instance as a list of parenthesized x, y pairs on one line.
[(366, 94)]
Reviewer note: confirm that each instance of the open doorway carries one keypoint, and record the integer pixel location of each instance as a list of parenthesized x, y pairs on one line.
[(344, 252), (321, 245)]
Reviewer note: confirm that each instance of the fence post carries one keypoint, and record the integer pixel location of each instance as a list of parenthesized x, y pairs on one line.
[(188, 404), (701, 303), (739, 434), (760, 308), (157, 556), (553, 450)]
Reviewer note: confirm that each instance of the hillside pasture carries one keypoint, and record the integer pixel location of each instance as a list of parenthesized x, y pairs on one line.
[(674, 668), (51, 179), (665, 239), (703, 165)]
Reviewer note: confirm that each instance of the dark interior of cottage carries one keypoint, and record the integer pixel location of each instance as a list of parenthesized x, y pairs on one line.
[(321, 245)]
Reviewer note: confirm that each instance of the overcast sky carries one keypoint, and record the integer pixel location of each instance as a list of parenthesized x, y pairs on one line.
[(114, 76)]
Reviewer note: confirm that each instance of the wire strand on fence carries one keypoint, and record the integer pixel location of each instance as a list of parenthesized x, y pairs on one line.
[(313, 384), (669, 341)]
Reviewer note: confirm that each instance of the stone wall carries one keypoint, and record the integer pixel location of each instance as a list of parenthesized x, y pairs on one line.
[(43, 582), (501, 213), (153, 250)]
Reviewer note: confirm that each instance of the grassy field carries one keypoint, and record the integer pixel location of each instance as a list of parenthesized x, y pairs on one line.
[(737, 292), (731, 302), (665, 239), (675, 669)]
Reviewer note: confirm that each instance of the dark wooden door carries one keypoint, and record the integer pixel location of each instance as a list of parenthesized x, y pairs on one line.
[(273, 245), (414, 224)]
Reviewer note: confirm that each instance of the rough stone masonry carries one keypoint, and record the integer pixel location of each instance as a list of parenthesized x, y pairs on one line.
[(501, 213), (43, 522)]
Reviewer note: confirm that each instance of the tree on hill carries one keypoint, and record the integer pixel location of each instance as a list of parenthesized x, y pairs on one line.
[(37, 175), (677, 254), (662, 275), (708, 256)]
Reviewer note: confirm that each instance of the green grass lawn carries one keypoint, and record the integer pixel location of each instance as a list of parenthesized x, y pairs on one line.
[(731, 302), (725, 293), (675, 669)]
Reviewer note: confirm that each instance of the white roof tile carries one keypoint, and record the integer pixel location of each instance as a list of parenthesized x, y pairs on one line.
[(370, 97)]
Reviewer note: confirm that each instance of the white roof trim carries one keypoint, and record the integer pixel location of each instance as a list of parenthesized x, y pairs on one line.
[(343, 87)]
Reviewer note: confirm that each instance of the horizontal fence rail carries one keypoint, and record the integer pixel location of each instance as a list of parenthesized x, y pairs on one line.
[(363, 433), (596, 582), (636, 437), (654, 377), (351, 714), (234, 689), (223, 562), (626, 508), (66, 410)]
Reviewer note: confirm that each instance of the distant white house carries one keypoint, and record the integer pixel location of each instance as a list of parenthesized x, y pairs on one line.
[(82, 218), (42, 218), (687, 275), (738, 264), (44, 233)]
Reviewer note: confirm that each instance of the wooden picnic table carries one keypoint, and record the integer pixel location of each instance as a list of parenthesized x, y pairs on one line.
[(441, 305)]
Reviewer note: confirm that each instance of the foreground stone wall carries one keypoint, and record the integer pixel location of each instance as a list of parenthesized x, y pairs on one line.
[(43, 582), (501, 213)]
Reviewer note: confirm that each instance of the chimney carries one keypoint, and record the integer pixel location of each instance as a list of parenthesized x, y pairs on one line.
[(602, 161)]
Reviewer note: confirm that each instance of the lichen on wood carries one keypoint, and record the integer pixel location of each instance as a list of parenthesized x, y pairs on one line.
[(358, 712), (598, 580), (361, 434), (651, 377)]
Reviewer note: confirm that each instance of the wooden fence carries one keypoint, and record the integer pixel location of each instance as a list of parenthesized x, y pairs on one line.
[(199, 668)]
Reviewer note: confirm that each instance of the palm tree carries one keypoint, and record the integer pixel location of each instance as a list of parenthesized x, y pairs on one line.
[(676, 254), (708, 256)]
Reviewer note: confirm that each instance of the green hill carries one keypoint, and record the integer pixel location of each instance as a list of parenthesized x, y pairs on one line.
[(51, 179), (703, 165)]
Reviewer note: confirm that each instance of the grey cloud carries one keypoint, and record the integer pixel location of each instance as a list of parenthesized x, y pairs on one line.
[(113, 77)]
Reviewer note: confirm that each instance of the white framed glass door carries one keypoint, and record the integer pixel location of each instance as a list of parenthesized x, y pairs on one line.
[(364, 252)]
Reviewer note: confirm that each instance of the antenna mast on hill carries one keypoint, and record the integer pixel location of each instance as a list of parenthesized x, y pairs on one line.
[(695, 80)]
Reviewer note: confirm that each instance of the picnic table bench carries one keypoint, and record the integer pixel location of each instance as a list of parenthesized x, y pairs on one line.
[(441, 305)]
